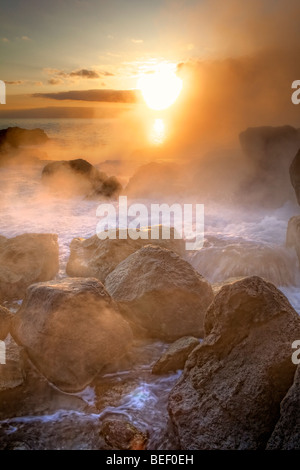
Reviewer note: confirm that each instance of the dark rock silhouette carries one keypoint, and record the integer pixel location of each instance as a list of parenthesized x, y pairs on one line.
[(79, 177)]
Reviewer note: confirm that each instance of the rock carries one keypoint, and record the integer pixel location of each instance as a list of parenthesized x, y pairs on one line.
[(18, 445), (26, 259), (269, 147), (175, 356), (220, 260), (11, 372), (79, 177), (293, 234), (295, 175), (152, 179), (229, 394), (160, 294), (5, 322), (270, 151), (93, 257), (14, 137), (71, 329), (122, 435), (286, 435)]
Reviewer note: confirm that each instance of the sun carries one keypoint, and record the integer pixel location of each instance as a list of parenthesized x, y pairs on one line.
[(161, 88)]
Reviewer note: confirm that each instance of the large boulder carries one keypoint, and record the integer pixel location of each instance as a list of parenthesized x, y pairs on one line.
[(230, 392), (156, 180), (79, 177), (15, 137), (5, 322), (286, 435), (94, 257), (160, 293), (25, 259), (70, 330), (176, 355), (12, 371), (271, 148), (295, 175), (270, 151)]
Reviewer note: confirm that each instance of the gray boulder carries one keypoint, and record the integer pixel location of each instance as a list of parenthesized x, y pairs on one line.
[(70, 330), (93, 257), (175, 356), (286, 435), (233, 383), (160, 294), (25, 259)]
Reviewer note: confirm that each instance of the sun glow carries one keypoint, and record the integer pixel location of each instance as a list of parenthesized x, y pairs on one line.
[(161, 88)]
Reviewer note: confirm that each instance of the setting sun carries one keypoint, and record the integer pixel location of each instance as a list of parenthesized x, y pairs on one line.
[(160, 89)]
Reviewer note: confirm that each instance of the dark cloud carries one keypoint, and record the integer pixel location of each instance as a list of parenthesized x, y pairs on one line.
[(109, 96), (84, 73), (80, 73), (14, 82)]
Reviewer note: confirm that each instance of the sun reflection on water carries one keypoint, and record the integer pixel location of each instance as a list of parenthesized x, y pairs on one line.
[(158, 132)]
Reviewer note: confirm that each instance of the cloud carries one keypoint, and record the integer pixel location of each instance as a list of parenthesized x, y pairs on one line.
[(109, 96), (14, 82), (137, 41), (25, 38), (5, 40), (85, 74), (55, 81)]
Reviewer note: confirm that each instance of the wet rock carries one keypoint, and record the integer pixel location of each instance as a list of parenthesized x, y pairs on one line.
[(176, 355), (295, 175), (14, 137), (12, 371), (79, 177), (25, 259), (293, 234), (122, 435), (71, 329), (160, 294), (5, 322), (270, 151), (17, 445), (233, 383), (286, 435), (93, 257), (152, 179)]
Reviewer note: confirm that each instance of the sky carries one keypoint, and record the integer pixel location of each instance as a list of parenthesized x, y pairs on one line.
[(242, 55), (99, 44)]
